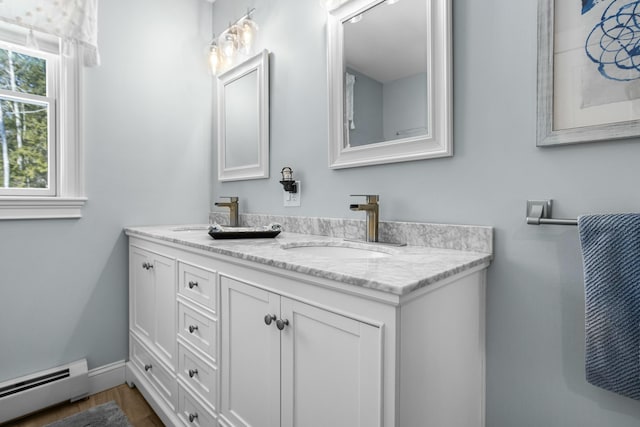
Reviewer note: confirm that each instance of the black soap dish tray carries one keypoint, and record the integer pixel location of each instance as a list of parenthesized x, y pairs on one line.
[(218, 231)]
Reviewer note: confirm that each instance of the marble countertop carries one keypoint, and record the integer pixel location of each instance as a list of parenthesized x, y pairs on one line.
[(399, 271)]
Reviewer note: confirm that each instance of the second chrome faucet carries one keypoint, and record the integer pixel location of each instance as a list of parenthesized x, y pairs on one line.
[(371, 208), (232, 204)]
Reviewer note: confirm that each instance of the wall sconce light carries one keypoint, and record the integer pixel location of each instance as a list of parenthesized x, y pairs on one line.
[(214, 55), (288, 182), (248, 33), (229, 42), (237, 38)]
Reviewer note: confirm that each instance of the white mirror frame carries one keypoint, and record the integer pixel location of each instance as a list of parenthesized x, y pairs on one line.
[(439, 139), (259, 63)]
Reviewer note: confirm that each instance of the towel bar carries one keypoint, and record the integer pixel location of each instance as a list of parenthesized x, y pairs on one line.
[(539, 213)]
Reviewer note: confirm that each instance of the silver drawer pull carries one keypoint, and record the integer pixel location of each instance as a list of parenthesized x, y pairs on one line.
[(192, 284), (192, 417), (269, 318), (193, 372), (193, 328), (282, 323), (147, 367)]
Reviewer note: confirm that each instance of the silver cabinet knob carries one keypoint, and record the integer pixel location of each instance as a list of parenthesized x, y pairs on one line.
[(193, 328), (269, 318), (192, 284), (192, 417), (280, 323), (147, 367), (193, 372)]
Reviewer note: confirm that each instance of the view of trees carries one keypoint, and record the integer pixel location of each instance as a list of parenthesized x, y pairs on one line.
[(23, 121)]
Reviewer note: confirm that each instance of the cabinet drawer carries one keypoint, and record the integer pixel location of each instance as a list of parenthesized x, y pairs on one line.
[(198, 329), (192, 412), (198, 284), (198, 374), (161, 379)]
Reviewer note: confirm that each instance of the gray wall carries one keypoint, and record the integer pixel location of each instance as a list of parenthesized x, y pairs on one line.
[(535, 302), (405, 107), (63, 283), (386, 111)]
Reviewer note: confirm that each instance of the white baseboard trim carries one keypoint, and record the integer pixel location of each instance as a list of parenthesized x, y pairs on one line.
[(106, 377)]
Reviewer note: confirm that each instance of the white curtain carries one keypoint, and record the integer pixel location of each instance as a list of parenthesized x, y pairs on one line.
[(351, 82), (74, 21)]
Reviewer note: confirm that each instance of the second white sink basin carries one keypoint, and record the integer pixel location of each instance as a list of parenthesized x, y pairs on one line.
[(337, 251)]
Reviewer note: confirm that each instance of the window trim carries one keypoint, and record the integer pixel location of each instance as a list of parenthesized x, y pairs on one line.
[(69, 159)]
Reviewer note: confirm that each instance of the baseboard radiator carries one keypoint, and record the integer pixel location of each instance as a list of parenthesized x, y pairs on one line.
[(33, 392)]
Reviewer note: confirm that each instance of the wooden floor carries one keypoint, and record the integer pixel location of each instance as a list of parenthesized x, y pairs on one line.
[(128, 399)]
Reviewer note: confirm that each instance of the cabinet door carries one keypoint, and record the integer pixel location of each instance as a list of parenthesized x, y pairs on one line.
[(153, 301), (250, 357), (142, 294), (164, 271), (331, 369)]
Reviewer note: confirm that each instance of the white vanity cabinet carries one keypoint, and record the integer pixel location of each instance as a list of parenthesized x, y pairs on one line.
[(197, 337), (152, 319), (173, 334), (242, 342), (288, 363)]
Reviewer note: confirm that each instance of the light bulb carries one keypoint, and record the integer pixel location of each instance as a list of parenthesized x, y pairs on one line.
[(355, 19), (214, 57), (229, 43), (248, 32)]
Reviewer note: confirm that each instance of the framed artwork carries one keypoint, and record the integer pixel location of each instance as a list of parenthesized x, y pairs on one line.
[(588, 71)]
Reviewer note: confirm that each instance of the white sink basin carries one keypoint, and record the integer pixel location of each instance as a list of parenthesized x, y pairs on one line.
[(337, 251)]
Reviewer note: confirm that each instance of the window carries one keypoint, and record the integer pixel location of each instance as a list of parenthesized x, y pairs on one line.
[(40, 158), (27, 123)]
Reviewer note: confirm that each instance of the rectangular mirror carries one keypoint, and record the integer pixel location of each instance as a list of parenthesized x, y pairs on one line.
[(389, 81), (243, 120)]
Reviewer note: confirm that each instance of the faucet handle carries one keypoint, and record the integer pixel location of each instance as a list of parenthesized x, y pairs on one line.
[(371, 198)]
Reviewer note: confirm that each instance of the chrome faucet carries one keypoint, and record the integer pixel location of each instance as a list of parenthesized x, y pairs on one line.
[(232, 204), (371, 207)]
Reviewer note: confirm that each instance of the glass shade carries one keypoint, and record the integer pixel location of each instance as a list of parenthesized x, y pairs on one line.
[(229, 42), (214, 57), (248, 32)]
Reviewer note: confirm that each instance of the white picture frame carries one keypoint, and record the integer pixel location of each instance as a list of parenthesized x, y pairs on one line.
[(549, 132)]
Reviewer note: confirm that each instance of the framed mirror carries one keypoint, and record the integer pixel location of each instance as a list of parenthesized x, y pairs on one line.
[(243, 120), (389, 74)]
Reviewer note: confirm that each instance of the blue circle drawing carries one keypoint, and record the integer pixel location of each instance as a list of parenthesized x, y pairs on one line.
[(614, 43)]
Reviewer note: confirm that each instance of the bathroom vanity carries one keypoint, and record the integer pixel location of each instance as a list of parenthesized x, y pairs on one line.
[(305, 330)]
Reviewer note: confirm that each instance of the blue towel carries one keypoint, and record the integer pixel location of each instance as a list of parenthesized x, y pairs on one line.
[(611, 255)]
